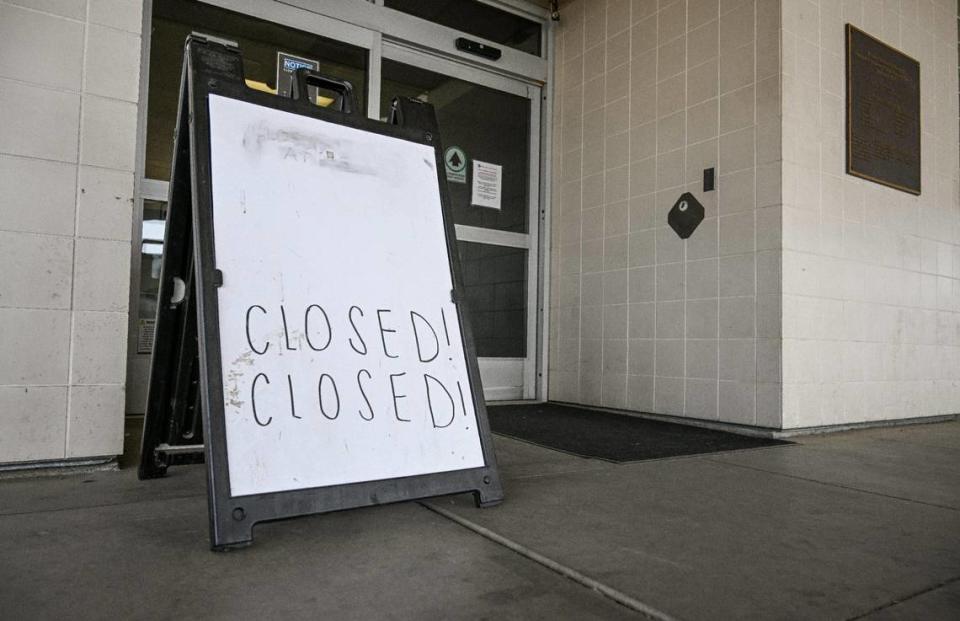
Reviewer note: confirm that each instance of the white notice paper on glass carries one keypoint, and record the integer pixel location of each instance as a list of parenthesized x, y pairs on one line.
[(487, 184)]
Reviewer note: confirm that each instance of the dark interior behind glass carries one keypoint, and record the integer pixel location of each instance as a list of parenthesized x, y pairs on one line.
[(259, 43), (495, 279), (489, 125)]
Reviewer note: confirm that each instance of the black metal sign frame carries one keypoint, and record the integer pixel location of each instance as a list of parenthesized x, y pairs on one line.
[(211, 67)]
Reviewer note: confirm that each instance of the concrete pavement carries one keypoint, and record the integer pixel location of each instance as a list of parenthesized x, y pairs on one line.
[(862, 524)]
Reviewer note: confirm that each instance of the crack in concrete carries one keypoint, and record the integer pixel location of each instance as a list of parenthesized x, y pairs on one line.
[(905, 598), (568, 572), (837, 485)]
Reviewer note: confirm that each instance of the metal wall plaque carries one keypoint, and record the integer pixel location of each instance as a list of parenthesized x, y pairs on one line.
[(883, 113)]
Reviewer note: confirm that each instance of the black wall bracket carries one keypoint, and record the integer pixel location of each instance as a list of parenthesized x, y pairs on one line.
[(685, 215)]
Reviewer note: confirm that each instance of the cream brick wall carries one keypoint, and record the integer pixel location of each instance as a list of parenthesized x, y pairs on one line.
[(809, 297), (649, 94), (69, 89), (871, 275)]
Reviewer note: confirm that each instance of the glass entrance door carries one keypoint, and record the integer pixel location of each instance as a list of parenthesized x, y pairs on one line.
[(489, 126), (486, 120)]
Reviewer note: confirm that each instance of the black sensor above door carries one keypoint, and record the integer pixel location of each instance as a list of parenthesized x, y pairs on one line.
[(480, 49)]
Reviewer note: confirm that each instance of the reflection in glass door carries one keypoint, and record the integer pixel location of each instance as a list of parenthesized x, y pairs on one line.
[(485, 119), (260, 42)]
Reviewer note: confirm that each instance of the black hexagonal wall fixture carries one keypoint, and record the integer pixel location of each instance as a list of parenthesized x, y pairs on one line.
[(685, 215)]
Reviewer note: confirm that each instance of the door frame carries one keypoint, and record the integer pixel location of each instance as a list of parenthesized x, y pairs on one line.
[(379, 30), (504, 368)]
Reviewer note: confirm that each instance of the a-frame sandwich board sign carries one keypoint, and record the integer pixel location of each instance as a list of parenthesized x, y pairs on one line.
[(310, 307)]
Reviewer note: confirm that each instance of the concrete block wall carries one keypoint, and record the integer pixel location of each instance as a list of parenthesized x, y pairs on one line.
[(649, 93), (69, 90), (856, 286), (871, 275)]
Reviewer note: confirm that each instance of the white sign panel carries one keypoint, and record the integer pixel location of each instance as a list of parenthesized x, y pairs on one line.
[(487, 184), (455, 163), (341, 350)]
